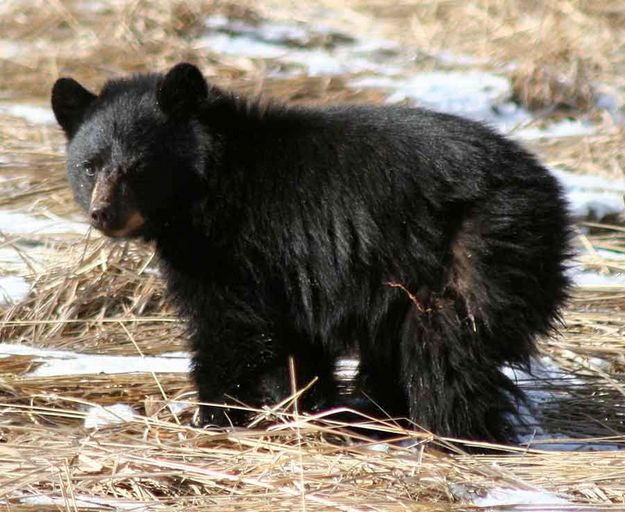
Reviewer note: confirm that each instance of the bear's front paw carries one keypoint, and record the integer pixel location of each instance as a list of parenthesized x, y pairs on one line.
[(220, 417)]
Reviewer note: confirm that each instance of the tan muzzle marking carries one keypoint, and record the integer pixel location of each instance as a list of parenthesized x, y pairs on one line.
[(133, 224)]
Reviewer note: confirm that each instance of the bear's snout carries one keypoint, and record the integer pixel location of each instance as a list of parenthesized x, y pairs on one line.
[(101, 216), (109, 220), (113, 209)]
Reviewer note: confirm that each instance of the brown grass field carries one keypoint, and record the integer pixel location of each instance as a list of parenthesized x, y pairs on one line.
[(95, 296)]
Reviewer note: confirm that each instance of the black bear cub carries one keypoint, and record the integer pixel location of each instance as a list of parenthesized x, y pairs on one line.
[(427, 242)]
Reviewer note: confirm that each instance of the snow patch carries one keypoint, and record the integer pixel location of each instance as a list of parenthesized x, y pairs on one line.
[(383, 64), (241, 46), (84, 501), (9, 49), (96, 6), (299, 46), (610, 255), (591, 197), (32, 113), (558, 129), (62, 362), (274, 32), (533, 383), (476, 95), (448, 58), (25, 224), (517, 497), (582, 277), (545, 374), (13, 289), (101, 416), (177, 406)]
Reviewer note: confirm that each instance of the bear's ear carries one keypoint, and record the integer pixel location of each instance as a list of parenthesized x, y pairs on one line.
[(69, 102), (182, 90)]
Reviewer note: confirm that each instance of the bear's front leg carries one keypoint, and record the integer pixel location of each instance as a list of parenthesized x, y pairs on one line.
[(230, 370)]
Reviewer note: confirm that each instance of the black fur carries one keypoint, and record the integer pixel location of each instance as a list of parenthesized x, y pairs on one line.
[(429, 242)]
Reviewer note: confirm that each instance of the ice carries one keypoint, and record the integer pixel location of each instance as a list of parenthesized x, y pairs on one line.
[(61, 362)]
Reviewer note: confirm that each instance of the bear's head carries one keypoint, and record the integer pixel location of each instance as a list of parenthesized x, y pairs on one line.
[(136, 152)]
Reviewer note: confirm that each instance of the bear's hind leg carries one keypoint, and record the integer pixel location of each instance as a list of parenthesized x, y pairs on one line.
[(504, 286), (453, 386)]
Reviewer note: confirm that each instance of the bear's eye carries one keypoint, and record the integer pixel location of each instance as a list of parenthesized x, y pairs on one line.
[(89, 168)]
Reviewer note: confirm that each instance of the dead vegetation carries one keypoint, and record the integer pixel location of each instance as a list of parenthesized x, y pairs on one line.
[(93, 296), (557, 50)]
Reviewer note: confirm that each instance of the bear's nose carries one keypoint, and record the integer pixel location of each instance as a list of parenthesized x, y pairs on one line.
[(100, 216)]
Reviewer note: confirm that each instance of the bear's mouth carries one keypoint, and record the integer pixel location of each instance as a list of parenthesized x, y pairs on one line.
[(132, 227)]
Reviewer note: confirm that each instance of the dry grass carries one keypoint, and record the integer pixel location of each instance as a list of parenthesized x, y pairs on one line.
[(559, 48), (601, 154), (94, 296)]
